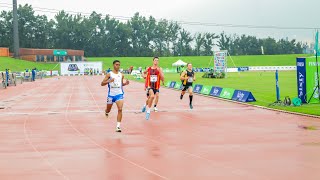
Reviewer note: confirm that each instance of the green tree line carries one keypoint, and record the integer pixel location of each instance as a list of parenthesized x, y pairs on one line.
[(100, 36)]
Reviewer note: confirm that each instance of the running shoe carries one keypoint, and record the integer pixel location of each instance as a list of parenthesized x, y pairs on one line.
[(191, 107), (181, 97), (147, 116), (118, 129), (155, 109), (107, 114), (144, 109)]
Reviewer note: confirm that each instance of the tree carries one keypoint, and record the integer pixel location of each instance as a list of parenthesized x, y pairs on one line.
[(199, 40), (208, 43)]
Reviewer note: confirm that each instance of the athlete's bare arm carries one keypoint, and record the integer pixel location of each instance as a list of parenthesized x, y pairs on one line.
[(106, 80), (194, 77), (126, 82), (182, 76), (161, 75), (144, 74)]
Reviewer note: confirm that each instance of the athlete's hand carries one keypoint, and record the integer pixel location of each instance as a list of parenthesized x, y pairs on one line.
[(111, 80), (127, 82)]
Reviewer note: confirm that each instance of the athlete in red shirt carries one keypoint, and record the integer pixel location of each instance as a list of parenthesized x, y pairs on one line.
[(153, 76)]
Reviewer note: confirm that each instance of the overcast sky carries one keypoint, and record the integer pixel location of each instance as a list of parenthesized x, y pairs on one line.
[(284, 13)]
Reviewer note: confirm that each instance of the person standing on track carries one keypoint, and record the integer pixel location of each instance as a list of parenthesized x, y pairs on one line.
[(153, 76), (188, 77), (115, 81)]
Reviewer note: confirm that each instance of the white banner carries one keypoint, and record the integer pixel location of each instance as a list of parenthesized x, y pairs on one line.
[(72, 68), (54, 73)]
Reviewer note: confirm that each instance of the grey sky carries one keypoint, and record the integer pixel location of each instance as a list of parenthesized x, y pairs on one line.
[(288, 13)]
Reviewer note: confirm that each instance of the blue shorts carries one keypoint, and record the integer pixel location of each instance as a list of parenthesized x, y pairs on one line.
[(113, 99)]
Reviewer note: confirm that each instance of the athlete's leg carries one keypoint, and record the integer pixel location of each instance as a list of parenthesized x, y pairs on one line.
[(120, 106), (145, 105), (109, 106), (156, 100), (151, 98), (190, 96), (183, 91), (150, 101)]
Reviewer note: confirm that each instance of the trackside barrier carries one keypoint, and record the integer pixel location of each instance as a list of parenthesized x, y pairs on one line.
[(225, 93)]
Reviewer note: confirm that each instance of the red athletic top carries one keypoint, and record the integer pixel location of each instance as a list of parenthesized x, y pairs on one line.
[(153, 78)]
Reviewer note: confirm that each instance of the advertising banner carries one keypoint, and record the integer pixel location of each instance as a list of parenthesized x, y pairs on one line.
[(197, 88), (220, 61), (206, 90), (227, 93), (215, 91), (72, 68), (243, 96), (312, 80)]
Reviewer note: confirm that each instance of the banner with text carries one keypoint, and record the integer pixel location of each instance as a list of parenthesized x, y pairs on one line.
[(72, 68)]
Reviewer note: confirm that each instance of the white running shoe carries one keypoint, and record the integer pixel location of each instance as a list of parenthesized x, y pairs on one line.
[(155, 109), (118, 129)]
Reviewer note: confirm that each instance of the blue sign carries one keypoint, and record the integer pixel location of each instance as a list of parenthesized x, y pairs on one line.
[(181, 86), (243, 96), (301, 79), (243, 69), (197, 88), (172, 84), (215, 91)]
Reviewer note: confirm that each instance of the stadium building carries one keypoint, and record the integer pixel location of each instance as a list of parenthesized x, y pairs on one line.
[(51, 55)]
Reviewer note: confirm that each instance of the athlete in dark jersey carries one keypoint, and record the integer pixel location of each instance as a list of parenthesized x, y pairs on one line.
[(188, 77)]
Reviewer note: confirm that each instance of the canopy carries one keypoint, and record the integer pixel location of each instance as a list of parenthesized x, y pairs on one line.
[(179, 63)]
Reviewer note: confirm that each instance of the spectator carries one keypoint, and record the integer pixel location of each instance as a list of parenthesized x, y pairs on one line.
[(33, 74)]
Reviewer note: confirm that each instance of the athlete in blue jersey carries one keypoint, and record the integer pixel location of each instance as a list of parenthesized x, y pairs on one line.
[(115, 81)]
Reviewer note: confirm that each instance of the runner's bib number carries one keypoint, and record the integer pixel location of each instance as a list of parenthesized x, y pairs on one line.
[(190, 79), (153, 78)]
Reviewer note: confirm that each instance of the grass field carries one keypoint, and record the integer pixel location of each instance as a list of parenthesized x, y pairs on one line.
[(165, 62), (203, 61), (21, 65), (261, 84)]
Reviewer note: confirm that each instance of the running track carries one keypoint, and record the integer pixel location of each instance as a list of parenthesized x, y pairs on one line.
[(55, 129)]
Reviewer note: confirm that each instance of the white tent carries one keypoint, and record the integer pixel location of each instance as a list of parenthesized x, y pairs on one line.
[(179, 63)]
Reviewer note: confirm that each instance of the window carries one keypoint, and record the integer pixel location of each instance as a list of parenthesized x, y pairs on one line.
[(38, 58), (50, 58)]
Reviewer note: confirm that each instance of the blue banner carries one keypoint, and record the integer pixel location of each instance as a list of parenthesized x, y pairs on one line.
[(197, 88), (301, 79), (277, 86), (215, 91), (243, 69), (243, 96), (172, 84)]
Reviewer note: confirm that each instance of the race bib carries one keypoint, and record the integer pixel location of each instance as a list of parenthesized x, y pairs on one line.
[(115, 84), (190, 79), (153, 78)]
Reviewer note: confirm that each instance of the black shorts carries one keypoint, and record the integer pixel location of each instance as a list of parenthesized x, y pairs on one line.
[(186, 87), (154, 91)]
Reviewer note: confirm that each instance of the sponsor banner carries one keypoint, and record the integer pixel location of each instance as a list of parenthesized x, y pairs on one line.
[(243, 96), (72, 68), (301, 79), (216, 91), (172, 84), (242, 69), (197, 88), (206, 90), (227, 93), (312, 90)]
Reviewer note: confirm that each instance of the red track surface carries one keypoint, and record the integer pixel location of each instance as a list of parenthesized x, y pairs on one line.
[(56, 129)]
